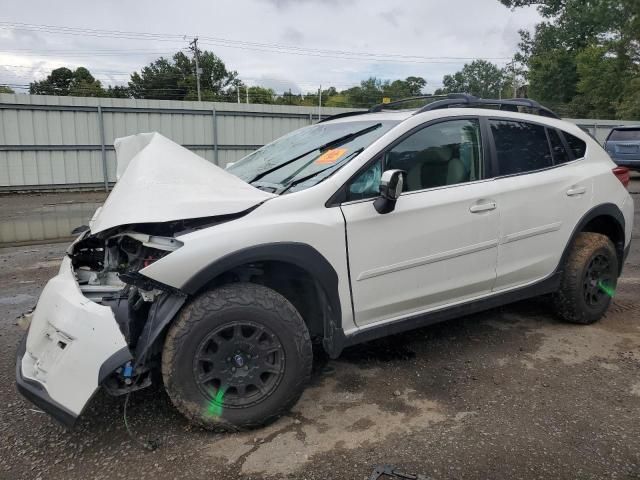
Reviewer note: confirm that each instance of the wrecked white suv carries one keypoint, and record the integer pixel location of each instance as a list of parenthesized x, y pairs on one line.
[(360, 226)]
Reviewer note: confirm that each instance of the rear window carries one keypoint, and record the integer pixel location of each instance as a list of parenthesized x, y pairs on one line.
[(628, 134), (577, 146), (520, 146)]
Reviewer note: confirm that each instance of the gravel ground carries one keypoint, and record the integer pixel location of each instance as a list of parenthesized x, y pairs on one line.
[(507, 394)]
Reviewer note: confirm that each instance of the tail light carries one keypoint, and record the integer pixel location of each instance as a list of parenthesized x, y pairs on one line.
[(623, 175)]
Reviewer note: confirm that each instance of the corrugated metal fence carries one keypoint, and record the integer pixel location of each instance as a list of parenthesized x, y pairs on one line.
[(49, 142)]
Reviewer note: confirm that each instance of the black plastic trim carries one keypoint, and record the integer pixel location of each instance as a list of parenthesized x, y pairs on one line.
[(422, 320), (116, 360), (299, 254), (605, 209), (38, 395), (161, 313)]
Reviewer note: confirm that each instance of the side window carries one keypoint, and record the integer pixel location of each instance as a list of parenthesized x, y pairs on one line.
[(520, 146), (577, 146), (366, 184), (560, 154), (446, 153)]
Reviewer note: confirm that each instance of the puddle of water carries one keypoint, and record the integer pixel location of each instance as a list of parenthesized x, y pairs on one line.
[(46, 223)]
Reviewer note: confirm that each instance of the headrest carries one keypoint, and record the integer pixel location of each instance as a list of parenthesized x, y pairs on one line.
[(436, 154)]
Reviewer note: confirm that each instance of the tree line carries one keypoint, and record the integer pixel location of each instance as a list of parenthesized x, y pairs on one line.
[(581, 60), (175, 79)]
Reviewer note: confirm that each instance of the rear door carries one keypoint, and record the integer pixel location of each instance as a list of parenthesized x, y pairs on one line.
[(439, 245), (543, 192)]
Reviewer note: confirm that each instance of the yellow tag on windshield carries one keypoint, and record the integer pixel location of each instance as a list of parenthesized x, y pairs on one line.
[(331, 156)]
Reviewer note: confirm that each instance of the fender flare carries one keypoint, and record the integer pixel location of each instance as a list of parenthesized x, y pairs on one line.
[(299, 254), (605, 209)]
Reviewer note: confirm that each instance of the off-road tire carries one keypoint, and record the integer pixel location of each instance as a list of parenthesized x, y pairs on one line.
[(569, 301), (212, 310)]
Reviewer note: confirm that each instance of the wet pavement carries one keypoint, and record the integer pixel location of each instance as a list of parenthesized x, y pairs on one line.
[(511, 393)]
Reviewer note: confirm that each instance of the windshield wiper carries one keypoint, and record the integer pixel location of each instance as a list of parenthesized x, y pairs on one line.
[(292, 184), (332, 143)]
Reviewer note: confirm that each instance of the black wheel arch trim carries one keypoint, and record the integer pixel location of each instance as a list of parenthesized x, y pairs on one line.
[(606, 210), (299, 254)]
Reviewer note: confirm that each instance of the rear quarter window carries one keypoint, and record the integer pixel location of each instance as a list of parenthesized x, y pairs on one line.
[(577, 146)]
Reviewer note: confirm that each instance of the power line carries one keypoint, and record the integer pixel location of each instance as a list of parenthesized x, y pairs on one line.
[(229, 43)]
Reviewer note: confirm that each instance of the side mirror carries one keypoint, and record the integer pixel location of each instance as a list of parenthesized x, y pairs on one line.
[(391, 184)]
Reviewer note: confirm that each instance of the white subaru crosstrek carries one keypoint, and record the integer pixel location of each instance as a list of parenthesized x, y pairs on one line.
[(360, 226)]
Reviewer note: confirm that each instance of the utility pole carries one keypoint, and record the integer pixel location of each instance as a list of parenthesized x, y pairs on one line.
[(515, 87), (238, 91), (194, 44), (320, 103), (247, 90)]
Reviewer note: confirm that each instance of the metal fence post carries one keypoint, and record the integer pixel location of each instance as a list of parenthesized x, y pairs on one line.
[(310, 118), (215, 137), (103, 149)]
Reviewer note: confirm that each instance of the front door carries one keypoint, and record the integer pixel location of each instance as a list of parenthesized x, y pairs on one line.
[(439, 245)]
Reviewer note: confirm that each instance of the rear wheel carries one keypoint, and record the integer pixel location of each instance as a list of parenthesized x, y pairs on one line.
[(589, 279), (237, 357)]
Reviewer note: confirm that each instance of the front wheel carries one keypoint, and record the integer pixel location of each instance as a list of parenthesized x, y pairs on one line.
[(589, 279), (237, 357)]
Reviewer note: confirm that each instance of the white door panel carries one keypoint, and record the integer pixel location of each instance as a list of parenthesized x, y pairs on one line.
[(538, 212), (430, 251)]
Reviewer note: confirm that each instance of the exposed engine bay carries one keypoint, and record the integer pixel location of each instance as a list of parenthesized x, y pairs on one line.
[(107, 266)]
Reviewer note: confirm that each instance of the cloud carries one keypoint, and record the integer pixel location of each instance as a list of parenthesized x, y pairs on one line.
[(282, 4), (292, 36), (438, 28)]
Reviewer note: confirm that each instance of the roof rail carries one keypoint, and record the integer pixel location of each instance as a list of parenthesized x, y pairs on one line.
[(379, 107), (456, 100), (465, 100)]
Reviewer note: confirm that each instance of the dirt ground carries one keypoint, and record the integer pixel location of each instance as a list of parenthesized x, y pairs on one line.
[(507, 394)]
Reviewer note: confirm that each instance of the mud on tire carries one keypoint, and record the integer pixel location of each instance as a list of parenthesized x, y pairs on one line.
[(588, 280), (237, 357)]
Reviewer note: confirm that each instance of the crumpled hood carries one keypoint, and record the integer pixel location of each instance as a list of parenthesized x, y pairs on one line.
[(161, 181)]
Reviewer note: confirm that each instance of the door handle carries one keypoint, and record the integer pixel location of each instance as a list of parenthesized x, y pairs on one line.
[(482, 207), (575, 191)]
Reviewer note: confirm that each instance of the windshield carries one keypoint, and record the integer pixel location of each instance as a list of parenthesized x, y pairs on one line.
[(307, 156)]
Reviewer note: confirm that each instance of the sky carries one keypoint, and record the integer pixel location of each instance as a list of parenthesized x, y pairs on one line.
[(281, 44)]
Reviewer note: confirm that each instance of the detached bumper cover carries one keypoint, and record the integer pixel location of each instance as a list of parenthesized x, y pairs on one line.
[(71, 344)]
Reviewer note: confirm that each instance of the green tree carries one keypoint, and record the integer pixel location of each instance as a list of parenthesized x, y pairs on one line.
[(409, 87), (118, 91), (629, 105), (64, 82), (262, 95), (583, 57), (175, 78), (6, 89), (480, 78)]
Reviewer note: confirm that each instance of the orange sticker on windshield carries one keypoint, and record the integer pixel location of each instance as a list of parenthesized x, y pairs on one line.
[(331, 156)]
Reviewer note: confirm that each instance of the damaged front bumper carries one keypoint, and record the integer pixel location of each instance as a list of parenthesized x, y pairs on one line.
[(72, 345)]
